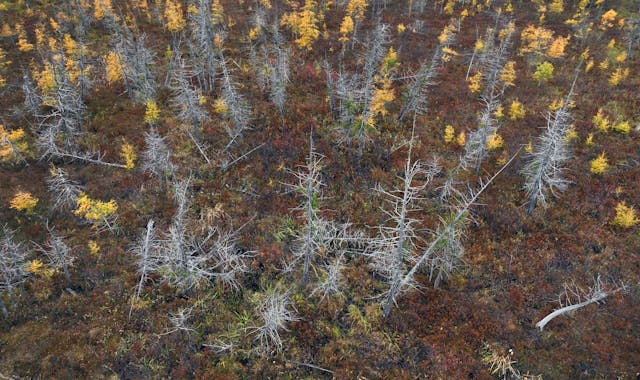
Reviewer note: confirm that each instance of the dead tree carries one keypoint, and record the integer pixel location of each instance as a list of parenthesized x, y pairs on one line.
[(574, 297), (396, 242), (375, 53), (64, 190), (228, 261), (156, 157), (444, 251), (544, 172), (32, 101), (274, 312), (491, 63), (136, 64), (58, 253), (203, 52), (417, 94), (180, 261), (145, 250), (186, 99), (13, 264), (62, 123), (238, 109), (279, 77)]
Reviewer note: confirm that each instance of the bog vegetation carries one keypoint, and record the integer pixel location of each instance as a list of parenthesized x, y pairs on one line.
[(319, 189)]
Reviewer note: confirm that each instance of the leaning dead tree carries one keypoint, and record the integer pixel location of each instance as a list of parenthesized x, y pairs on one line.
[(445, 250), (544, 173), (396, 243), (574, 297)]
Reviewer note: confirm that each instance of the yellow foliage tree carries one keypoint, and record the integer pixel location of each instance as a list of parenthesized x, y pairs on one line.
[(383, 94), (356, 9), (622, 127), (556, 6), (152, 113), (556, 49), (113, 67), (95, 211), (516, 110), (599, 164), (625, 216), (303, 24), (346, 28), (474, 82), (494, 142), (101, 8), (128, 155), (23, 201), (608, 19), (449, 134), (618, 76), (508, 74), (535, 39), (175, 21), (600, 121), (12, 144)]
